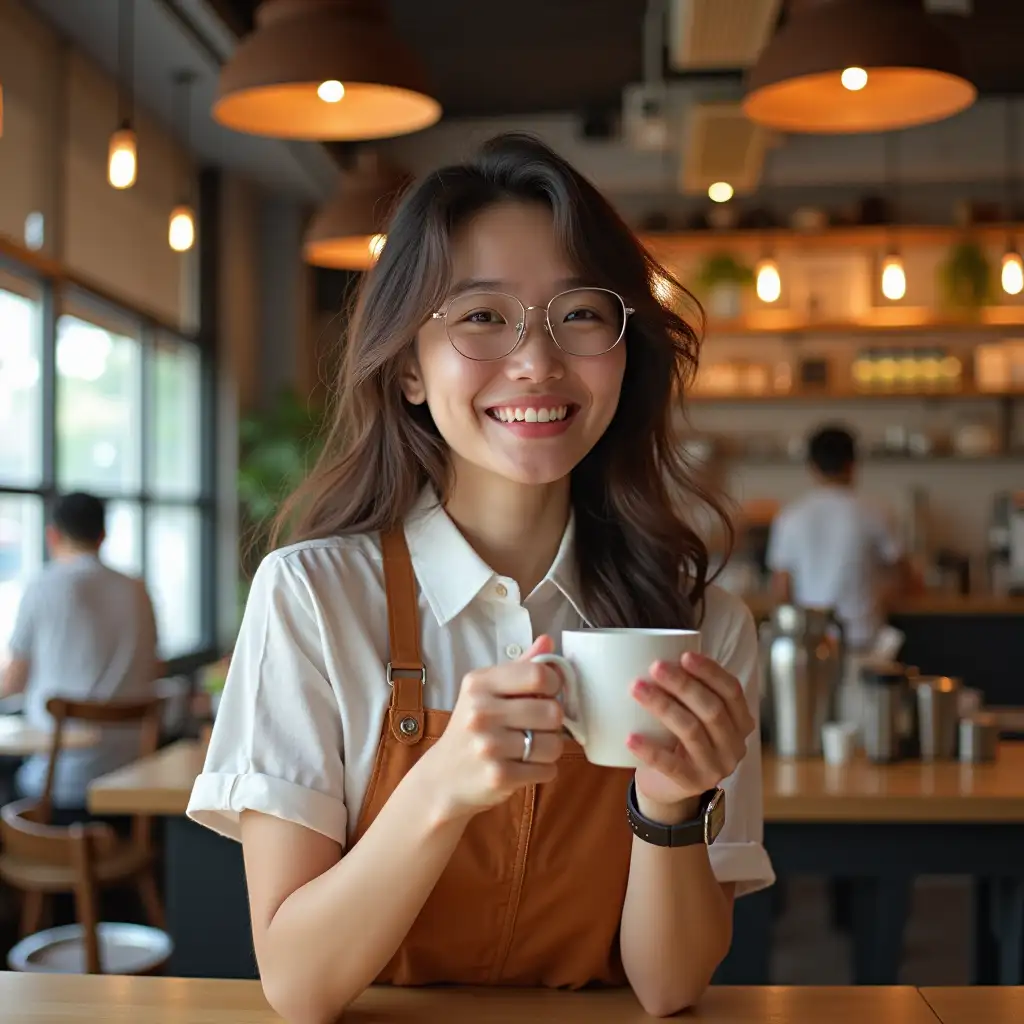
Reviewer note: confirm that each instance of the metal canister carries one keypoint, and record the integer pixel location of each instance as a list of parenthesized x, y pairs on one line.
[(938, 712), (979, 737), (885, 701)]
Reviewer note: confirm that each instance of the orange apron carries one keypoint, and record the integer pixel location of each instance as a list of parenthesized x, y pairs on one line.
[(533, 893)]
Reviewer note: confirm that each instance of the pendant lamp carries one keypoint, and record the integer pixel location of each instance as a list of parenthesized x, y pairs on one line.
[(348, 232), (842, 66), (324, 69)]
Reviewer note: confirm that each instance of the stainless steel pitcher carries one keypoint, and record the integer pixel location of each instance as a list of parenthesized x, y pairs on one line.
[(803, 654)]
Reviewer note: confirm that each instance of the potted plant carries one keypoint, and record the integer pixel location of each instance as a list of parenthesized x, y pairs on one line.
[(721, 281), (965, 277), (278, 446)]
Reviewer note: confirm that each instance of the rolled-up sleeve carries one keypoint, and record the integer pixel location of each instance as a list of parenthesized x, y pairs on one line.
[(276, 746), (738, 855)]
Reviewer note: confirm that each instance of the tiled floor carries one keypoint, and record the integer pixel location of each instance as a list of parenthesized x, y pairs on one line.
[(809, 951), (936, 949)]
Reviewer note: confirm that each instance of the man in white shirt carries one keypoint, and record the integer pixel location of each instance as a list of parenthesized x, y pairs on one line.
[(832, 548), (84, 632)]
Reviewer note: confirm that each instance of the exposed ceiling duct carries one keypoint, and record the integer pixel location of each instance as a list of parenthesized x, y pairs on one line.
[(719, 34)]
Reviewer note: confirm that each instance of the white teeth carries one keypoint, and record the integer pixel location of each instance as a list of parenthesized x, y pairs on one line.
[(510, 414)]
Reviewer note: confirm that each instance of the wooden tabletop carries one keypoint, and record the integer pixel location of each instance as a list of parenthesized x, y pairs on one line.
[(158, 784), (908, 791), (794, 790), (1001, 1005), (19, 739), (67, 999)]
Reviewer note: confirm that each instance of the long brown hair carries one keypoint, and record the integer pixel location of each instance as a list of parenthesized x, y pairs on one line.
[(640, 561)]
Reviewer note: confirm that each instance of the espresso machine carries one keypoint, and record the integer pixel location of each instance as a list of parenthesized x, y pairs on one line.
[(1006, 544)]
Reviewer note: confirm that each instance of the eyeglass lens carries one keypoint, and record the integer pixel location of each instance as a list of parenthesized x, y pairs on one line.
[(488, 325)]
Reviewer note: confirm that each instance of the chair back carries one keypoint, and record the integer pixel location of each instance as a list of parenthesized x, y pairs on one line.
[(145, 713), (25, 837)]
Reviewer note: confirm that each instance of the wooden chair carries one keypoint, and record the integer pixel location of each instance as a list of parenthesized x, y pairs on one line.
[(80, 854), (126, 862)]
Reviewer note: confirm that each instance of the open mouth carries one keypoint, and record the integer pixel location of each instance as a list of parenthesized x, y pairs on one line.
[(517, 414)]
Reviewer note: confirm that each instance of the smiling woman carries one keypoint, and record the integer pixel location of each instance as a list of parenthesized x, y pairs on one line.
[(502, 471)]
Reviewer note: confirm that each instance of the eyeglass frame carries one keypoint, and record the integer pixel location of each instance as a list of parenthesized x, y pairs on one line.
[(627, 312)]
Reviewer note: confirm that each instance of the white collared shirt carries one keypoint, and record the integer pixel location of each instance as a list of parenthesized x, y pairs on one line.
[(300, 718)]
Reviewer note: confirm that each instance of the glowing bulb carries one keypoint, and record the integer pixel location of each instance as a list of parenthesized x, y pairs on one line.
[(376, 245), (122, 165), (768, 284), (181, 230), (331, 92), (854, 79), (1013, 274), (894, 280), (720, 192)]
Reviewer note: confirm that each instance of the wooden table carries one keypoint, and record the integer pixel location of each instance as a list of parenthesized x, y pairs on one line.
[(881, 826), (976, 1005), (66, 999), (19, 739)]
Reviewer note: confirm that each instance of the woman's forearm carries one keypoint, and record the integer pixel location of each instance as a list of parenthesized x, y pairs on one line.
[(332, 937), (676, 921)]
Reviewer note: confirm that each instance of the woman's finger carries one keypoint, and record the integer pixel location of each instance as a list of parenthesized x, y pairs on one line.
[(699, 744), (700, 700), (509, 745), (724, 683), (540, 713), (673, 764)]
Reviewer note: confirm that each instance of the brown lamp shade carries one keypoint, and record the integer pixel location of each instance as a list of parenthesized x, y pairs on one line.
[(915, 73), (348, 231), (269, 87)]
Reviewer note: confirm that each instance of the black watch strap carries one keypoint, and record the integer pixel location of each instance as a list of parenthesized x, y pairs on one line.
[(702, 829)]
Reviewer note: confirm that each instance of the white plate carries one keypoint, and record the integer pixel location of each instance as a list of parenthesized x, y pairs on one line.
[(124, 949)]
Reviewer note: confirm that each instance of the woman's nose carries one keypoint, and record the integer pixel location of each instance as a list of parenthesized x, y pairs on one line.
[(537, 356)]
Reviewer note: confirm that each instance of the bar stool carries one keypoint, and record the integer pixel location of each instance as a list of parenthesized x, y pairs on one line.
[(79, 857)]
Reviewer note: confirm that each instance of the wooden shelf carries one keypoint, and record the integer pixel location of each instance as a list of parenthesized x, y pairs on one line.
[(880, 460), (665, 244), (889, 321), (705, 397)]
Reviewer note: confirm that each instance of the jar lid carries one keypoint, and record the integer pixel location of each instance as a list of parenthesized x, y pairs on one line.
[(883, 673)]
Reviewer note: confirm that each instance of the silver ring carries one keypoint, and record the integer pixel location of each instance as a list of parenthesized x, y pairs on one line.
[(527, 744)]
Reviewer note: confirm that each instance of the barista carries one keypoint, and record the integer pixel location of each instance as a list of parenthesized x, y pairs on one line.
[(833, 548)]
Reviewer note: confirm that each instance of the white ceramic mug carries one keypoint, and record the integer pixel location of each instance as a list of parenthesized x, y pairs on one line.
[(599, 667)]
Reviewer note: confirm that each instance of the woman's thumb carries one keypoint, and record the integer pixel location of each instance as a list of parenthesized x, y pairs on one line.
[(542, 645)]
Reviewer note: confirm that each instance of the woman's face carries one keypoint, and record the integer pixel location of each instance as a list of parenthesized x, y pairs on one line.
[(512, 248)]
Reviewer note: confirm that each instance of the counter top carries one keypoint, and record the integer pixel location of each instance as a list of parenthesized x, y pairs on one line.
[(923, 604), (947, 792), (98, 999), (794, 790)]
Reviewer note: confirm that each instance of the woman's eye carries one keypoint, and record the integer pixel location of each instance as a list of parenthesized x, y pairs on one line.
[(581, 314), (483, 316)]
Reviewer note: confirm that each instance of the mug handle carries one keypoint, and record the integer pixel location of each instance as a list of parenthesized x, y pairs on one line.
[(571, 689)]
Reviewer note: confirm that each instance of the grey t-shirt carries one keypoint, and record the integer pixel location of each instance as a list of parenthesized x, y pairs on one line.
[(88, 633)]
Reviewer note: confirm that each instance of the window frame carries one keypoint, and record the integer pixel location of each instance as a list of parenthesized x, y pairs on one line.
[(59, 291)]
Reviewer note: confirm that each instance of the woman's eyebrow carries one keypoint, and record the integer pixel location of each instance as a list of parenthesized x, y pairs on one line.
[(475, 284)]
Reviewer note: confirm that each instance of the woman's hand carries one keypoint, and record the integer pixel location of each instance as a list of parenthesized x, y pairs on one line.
[(706, 710), (478, 762)]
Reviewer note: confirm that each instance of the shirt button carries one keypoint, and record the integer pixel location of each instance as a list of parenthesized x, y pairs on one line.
[(501, 590), (513, 650)]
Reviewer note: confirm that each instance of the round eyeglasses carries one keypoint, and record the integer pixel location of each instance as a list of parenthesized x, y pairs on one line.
[(490, 325)]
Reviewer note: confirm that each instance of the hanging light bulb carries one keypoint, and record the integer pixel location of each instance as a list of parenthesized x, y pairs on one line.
[(1012, 277), (181, 229), (894, 279), (768, 282), (122, 164)]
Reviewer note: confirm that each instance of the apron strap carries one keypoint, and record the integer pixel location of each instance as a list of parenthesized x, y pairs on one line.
[(405, 672)]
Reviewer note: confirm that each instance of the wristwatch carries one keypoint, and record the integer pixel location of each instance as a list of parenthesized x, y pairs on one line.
[(702, 829)]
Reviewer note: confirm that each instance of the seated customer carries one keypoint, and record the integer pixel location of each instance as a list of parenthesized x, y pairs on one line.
[(83, 632)]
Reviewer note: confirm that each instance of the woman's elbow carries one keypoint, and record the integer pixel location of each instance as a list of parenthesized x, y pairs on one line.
[(298, 1003)]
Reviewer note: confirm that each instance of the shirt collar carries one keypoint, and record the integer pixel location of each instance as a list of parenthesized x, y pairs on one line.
[(451, 574)]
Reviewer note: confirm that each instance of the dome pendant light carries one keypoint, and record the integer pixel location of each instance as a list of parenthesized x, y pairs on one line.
[(837, 66), (348, 232), (324, 69)]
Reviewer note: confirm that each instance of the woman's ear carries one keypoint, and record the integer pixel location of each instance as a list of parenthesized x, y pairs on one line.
[(411, 380)]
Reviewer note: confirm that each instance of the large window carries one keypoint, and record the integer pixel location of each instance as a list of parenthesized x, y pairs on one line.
[(100, 399)]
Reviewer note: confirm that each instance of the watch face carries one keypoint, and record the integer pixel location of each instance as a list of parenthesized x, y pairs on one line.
[(714, 817)]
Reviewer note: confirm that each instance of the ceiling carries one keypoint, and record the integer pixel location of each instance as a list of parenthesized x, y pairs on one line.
[(579, 54)]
